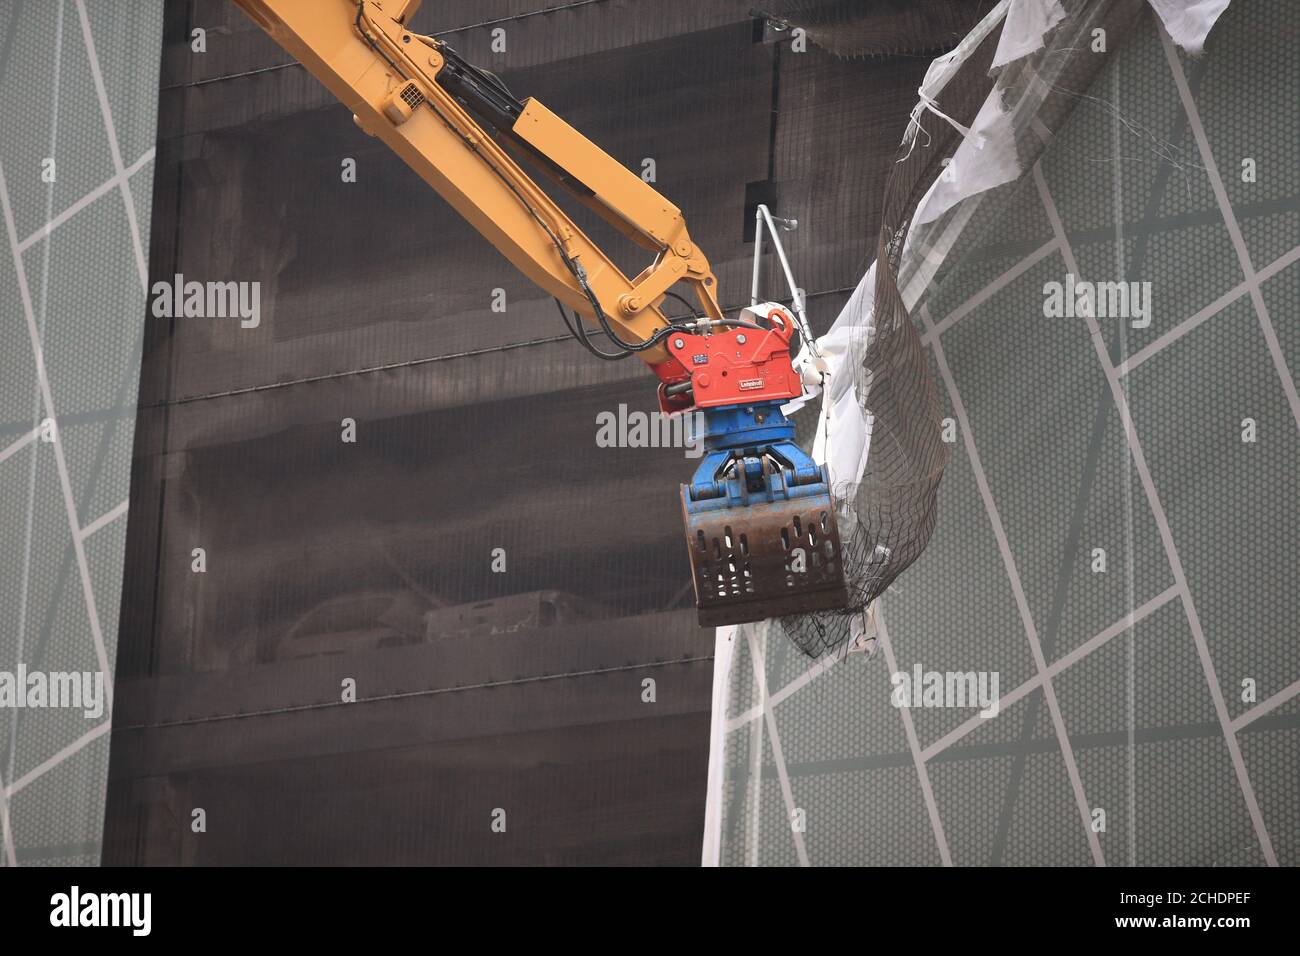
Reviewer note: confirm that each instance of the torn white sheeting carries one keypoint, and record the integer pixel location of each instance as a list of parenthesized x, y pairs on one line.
[(941, 70), (1188, 22), (845, 438), (809, 393), (981, 162), (935, 79), (1025, 29), (986, 156), (852, 324), (862, 630), (843, 435)]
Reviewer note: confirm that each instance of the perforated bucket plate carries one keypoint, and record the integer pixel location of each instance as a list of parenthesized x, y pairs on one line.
[(765, 560)]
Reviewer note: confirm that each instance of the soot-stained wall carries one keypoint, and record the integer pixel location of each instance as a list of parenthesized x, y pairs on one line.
[(329, 564)]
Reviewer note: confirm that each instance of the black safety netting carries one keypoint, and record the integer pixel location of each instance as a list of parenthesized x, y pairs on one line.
[(475, 434), (887, 517)]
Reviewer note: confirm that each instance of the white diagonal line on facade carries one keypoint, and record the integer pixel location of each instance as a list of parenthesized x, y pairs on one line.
[(6, 832), (30, 517), (1211, 310), (45, 766), (105, 187), (1166, 534), (778, 755), (811, 674), (69, 503), (1234, 230), (105, 519), (913, 744), (1079, 653), (122, 179), (990, 290), (1017, 588), (20, 444), (1266, 706)]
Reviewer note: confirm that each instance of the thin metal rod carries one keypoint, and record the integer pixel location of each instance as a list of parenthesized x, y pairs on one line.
[(795, 295)]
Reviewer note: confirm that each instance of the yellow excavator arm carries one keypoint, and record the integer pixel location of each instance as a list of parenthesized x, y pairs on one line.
[(758, 513), (431, 108)]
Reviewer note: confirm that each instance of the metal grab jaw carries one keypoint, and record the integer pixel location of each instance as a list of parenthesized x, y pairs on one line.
[(760, 522)]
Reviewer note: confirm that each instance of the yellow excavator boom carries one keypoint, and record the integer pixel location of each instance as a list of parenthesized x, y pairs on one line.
[(758, 514), (416, 94)]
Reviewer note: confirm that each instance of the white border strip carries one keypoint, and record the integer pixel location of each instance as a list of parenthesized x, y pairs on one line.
[(724, 645)]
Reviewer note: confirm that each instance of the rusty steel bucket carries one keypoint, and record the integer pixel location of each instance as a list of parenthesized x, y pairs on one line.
[(765, 559)]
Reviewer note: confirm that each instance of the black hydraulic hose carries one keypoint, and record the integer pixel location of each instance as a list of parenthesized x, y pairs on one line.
[(573, 265), (580, 274), (581, 335)]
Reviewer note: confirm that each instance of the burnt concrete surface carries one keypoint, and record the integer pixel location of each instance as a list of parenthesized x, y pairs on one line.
[(329, 564)]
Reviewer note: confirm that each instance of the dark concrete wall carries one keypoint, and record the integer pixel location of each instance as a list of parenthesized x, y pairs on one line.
[(371, 560)]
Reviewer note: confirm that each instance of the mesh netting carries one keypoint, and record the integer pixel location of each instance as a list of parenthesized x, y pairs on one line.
[(887, 517), (850, 28)]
